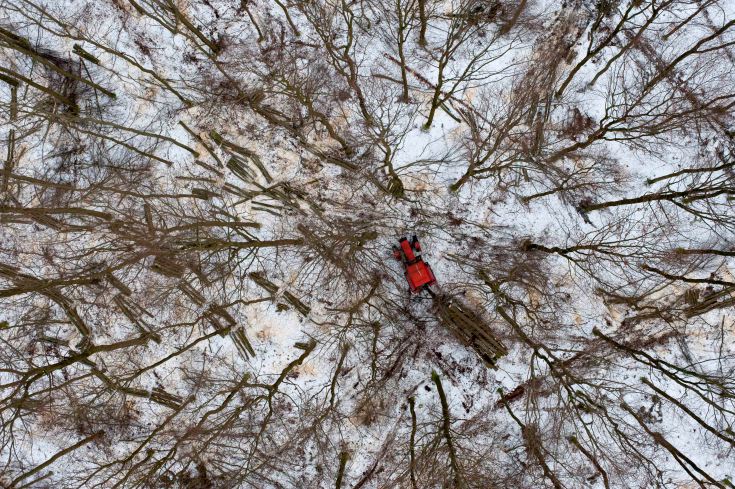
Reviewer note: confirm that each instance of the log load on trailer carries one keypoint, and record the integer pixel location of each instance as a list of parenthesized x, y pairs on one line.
[(469, 328)]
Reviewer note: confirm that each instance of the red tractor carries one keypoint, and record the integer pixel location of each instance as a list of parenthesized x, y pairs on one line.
[(417, 271)]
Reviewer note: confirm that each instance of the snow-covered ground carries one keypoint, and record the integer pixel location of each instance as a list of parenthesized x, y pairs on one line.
[(574, 188)]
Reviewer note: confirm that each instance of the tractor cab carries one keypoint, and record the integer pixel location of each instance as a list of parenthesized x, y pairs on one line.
[(418, 273)]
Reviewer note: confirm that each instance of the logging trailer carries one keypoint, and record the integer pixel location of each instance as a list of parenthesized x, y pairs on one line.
[(467, 326)]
